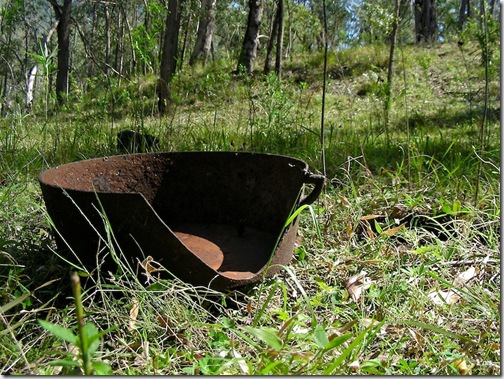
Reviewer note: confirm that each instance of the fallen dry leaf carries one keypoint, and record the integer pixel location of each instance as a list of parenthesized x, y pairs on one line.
[(349, 230), (354, 365), (164, 322), (416, 337), (356, 284), (366, 322), (347, 326), (133, 314), (344, 201), (444, 297), (392, 231), (369, 217), (150, 266), (461, 366), (242, 363), (464, 277), (451, 296), (369, 230)]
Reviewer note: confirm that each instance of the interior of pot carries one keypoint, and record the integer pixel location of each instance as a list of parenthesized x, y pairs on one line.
[(228, 209)]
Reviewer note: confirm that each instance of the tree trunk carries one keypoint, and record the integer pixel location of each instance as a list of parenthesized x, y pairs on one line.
[(393, 39), (147, 25), (119, 47), (107, 39), (5, 86), (63, 14), (133, 63), (169, 54), (276, 36), (280, 35), (271, 44), (289, 31), (492, 8), (250, 41), (186, 38), (426, 29), (464, 13), (92, 34), (205, 32)]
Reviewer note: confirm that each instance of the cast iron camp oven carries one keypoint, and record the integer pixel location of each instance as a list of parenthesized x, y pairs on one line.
[(210, 218)]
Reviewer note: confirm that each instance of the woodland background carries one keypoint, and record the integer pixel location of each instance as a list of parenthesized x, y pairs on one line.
[(66, 49)]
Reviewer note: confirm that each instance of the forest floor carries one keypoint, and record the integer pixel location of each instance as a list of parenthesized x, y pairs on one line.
[(396, 268)]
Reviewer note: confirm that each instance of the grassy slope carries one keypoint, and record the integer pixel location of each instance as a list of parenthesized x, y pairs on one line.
[(419, 171)]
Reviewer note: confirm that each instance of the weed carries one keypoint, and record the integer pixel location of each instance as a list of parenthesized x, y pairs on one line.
[(87, 341)]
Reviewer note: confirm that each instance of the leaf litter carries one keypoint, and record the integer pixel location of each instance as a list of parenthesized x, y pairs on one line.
[(358, 283), (451, 296)]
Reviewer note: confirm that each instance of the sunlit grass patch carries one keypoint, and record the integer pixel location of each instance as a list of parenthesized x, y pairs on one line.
[(396, 268)]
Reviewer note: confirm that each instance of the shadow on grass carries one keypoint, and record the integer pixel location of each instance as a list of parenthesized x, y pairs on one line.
[(449, 120), (26, 266), (423, 151)]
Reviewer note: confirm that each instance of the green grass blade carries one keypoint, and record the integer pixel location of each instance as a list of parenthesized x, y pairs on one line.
[(93, 336), (267, 370), (347, 351), (59, 331), (337, 341), (13, 303), (64, 363), (303, 293), (265, 304), (320, 336), (266, 335), (295, 214), (437, 329)]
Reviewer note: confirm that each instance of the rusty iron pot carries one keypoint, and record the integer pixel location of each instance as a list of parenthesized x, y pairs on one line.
[(210, 218)]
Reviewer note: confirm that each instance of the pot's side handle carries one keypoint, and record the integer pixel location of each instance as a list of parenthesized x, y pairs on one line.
[(318, 180)]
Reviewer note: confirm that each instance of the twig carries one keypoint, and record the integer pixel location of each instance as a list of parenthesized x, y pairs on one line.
[(93, 57), (487, 162)]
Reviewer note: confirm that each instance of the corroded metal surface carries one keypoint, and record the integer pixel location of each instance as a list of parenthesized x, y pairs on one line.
[(209, 218)]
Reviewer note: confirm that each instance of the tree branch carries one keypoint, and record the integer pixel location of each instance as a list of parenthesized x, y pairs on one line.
[(99, 63), (56, 7)]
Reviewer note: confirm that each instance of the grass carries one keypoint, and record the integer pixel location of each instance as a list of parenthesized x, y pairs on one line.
[(396, 269)]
